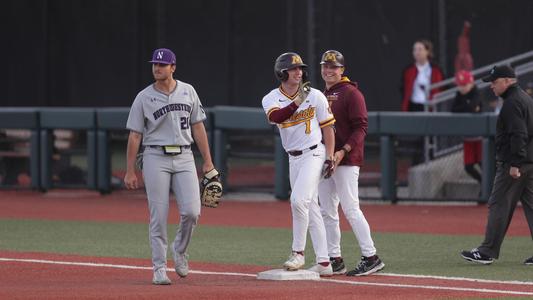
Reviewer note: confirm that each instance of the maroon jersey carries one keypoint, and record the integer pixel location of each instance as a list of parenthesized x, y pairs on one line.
[(348, 106)]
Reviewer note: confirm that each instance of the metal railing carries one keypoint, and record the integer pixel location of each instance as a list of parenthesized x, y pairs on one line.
[(449, 94), (433, 147)]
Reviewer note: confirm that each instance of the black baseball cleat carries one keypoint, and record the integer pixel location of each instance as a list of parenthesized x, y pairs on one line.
[(475, 256), (529, 261), (337, 263), (367, 266)]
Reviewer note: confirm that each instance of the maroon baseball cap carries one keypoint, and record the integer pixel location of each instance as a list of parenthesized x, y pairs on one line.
[(163, 56)]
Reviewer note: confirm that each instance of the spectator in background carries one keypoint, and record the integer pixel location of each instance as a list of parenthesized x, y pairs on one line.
[(416, 80), (418, 76), (463, 59), (468, 100)]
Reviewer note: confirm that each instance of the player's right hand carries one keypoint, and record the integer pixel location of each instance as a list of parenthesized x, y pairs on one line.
[(339, 156), (130, 181)]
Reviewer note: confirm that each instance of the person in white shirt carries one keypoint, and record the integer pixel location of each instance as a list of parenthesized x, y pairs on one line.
[(418, 76)]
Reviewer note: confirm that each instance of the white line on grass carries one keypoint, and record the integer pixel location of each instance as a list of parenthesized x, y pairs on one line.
[(87, 264), (430, 287)]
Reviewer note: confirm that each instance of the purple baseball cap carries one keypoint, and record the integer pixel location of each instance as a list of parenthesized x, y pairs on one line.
[(163, 56)]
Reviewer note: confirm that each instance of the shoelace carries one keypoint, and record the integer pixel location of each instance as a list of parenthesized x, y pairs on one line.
[(362, 264)]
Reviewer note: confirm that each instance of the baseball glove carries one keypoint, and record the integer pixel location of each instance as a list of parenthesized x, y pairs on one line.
[(328, 168), (210, 189)]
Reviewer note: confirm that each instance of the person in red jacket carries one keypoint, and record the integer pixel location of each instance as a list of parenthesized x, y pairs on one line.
[(349, 109), (418, 76)]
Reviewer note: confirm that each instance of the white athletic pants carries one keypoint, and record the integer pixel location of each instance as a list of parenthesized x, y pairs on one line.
[(305, 171), (343, 187)]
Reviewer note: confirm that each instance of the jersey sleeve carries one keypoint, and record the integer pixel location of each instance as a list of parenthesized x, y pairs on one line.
[(136, 117), (270, 105), (197, 110), (323, 112)]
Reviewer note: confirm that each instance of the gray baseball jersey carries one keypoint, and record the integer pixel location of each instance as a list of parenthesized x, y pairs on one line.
[(155, 115)]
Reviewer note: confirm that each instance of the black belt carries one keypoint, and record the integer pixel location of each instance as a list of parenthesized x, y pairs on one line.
[(160, 147), (300, 152)]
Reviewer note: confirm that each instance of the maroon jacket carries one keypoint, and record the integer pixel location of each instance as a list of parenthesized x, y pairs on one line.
[(349, 109)]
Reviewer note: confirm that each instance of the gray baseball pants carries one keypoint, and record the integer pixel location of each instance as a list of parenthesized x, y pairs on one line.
[(162, 172)]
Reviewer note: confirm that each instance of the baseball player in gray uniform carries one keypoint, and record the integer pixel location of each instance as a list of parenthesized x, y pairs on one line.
[(167, 116)]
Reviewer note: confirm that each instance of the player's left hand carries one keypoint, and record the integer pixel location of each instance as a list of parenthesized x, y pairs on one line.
[(210, 188), (207, 166), (514, 172)]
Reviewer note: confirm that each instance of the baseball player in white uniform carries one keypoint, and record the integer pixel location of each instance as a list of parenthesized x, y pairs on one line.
[(302, 124), (167, 116)]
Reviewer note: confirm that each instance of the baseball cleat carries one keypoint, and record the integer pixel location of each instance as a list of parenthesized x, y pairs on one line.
[(337, 264), (181, 264), (321, 270), (296, 261), (529, 261), (367, 266), (475, 256), (160, 277)]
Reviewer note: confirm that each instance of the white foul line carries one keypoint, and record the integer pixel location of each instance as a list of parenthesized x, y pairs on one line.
[(87, 264), (430, 287), (456, 278)]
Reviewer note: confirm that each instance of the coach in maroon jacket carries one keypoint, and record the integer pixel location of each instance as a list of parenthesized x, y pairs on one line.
[(348, 106)]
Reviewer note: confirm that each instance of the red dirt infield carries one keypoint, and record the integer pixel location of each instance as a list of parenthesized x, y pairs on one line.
[(44, 279), (123, 278), (131, 206)]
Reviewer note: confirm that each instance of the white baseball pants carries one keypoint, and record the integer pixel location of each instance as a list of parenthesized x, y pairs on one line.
[(343, 187), (305, 172)]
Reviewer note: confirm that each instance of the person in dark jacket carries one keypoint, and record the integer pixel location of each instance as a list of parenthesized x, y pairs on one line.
[(514, 164), (467, 100), (349, 109)]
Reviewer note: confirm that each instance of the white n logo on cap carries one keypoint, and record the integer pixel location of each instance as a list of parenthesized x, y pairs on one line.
[(160, 55)]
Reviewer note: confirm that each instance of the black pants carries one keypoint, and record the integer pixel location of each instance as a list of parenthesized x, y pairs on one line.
[(418, 142), (502, 202)]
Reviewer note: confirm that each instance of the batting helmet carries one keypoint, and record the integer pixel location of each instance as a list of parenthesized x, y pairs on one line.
[(287, 61), (333, 57)]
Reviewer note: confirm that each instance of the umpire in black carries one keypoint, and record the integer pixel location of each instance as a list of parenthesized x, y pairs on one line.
[(514, 164)]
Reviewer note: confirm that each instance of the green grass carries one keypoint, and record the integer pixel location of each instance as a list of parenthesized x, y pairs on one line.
[(402, 253)]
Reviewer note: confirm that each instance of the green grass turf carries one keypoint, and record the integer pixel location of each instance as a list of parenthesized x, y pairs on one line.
[(422, 254)]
